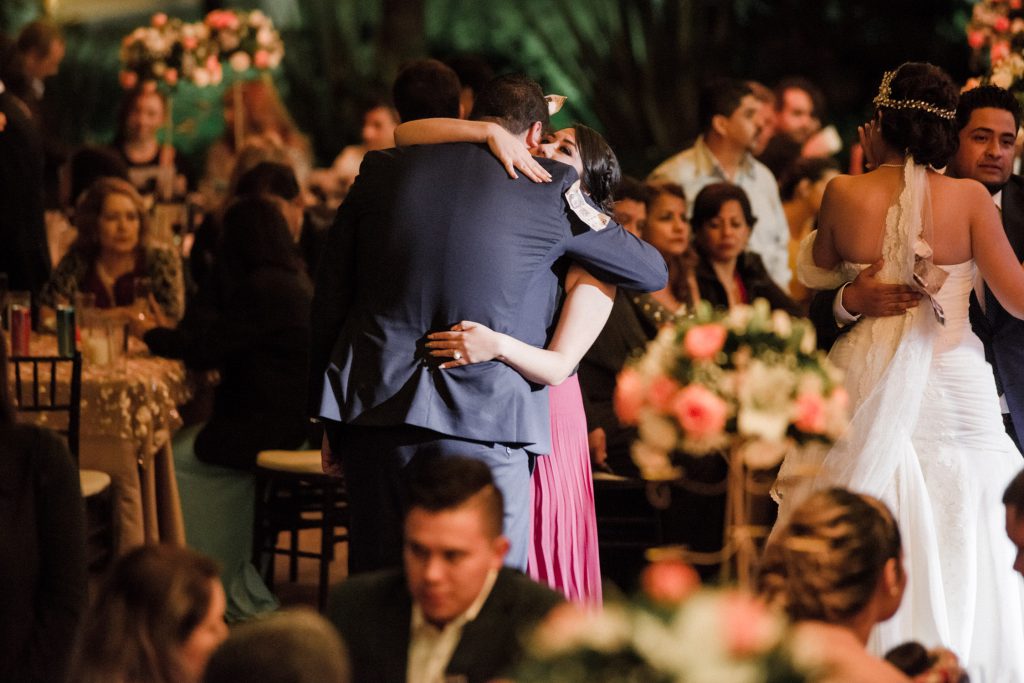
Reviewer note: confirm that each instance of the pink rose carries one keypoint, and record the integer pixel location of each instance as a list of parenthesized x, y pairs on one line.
[(159, 19), (171, 77), (810, 413), (261, 59), (1001, 24), (975, 39), (1000, 50), (629, 396), (190, 43), (1015, 4), (128, 79), (669, 582), (748, 625), (840, 398), (700, 412), (149, 86), (661, 393), (704, 341), (212, 63)]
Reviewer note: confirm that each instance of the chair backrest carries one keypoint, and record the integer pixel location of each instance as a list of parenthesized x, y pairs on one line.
[(50, 385)]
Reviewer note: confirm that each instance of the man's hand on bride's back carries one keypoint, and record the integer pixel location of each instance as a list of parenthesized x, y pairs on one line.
[(867, 295), (467, 342), (513, 154)]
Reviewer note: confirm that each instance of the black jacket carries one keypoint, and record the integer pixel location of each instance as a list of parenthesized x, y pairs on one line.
[(755, 278)]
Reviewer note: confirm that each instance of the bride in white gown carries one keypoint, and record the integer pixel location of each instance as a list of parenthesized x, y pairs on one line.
[(926, 435)]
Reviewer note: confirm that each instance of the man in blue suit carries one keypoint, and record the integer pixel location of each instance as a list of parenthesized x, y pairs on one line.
[(429, 236)]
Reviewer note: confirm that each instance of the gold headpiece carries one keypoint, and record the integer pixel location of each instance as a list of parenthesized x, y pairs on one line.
[(884, 100)]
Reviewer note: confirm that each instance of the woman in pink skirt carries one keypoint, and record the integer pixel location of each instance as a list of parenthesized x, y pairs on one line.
[(564, 552)]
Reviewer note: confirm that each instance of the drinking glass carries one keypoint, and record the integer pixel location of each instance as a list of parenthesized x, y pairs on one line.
[(19, 318), (142, 287)]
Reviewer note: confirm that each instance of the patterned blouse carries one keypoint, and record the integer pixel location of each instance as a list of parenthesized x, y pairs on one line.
[(74, 274)]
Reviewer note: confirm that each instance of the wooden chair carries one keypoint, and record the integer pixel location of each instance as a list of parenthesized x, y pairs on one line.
[(37, 391), (293, 493)]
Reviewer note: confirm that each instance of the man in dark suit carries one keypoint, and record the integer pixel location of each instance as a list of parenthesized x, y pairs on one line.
[(988, 118), (427, 237), (455, 611), (24, 255)]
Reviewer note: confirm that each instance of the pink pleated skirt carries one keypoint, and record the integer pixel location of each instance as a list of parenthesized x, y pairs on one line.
[(564, 553)]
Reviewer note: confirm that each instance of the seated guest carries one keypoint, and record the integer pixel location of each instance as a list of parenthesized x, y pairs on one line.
[(43, 540), (154, 167), (158, 617), (630, 208), (455, 612), (1013, 499), (258, 338), (635, 320), (728, 274), (277, 183), (802, 190), (110, 254), (426, 89), (836, 570), (298, 646)]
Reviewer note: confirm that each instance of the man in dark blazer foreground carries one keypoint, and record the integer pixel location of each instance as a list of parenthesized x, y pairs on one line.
[(455, 611), (988, 118), (429, 236)]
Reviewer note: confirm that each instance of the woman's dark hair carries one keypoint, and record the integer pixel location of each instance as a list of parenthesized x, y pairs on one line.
[(128, 101), (6, 404), (826, 562), (601, 172), (255, 235), (929, 138), (709, 202), (89, 208), (809, 168), (148, 606), (88, 164)]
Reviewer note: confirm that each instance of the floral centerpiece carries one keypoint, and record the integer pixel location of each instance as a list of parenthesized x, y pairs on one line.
[(168, 51), (749, 380), (246, 40), (674, 631), (995, 34)]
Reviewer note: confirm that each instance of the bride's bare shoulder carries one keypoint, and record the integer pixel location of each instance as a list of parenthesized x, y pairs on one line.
[(967, 188)]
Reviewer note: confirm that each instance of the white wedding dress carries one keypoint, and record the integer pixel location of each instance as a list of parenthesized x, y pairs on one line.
[(927, 438)]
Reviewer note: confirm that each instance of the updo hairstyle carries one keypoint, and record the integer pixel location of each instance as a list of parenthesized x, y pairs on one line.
[(826, 563), (929, 138)]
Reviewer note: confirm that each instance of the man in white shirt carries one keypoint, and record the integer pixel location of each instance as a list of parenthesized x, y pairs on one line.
[(455, 611), (730, 118)]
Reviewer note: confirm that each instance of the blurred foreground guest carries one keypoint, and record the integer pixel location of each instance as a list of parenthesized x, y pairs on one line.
[(1013, 499), (42, 537), (426, 89), (635, 319), (263, 114), (378, 132), (837, 570), (454, 613), (730, 117), (802, 190), (258, 339), (728, 274), (157, 619), (154, 167), (630, 208), (24, 255), (110, 255), (297, 646)]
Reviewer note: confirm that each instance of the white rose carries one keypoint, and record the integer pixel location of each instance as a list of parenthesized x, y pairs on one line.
[(781, 323), (240, 61), (1001, 78), (763, 424), (658, 432), (201, 77)]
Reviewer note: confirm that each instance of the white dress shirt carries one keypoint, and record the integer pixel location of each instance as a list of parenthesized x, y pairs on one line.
[(696, 167), (431, 648)]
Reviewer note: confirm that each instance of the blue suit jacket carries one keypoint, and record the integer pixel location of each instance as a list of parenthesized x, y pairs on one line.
[(432, 235), (1002, 333)]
